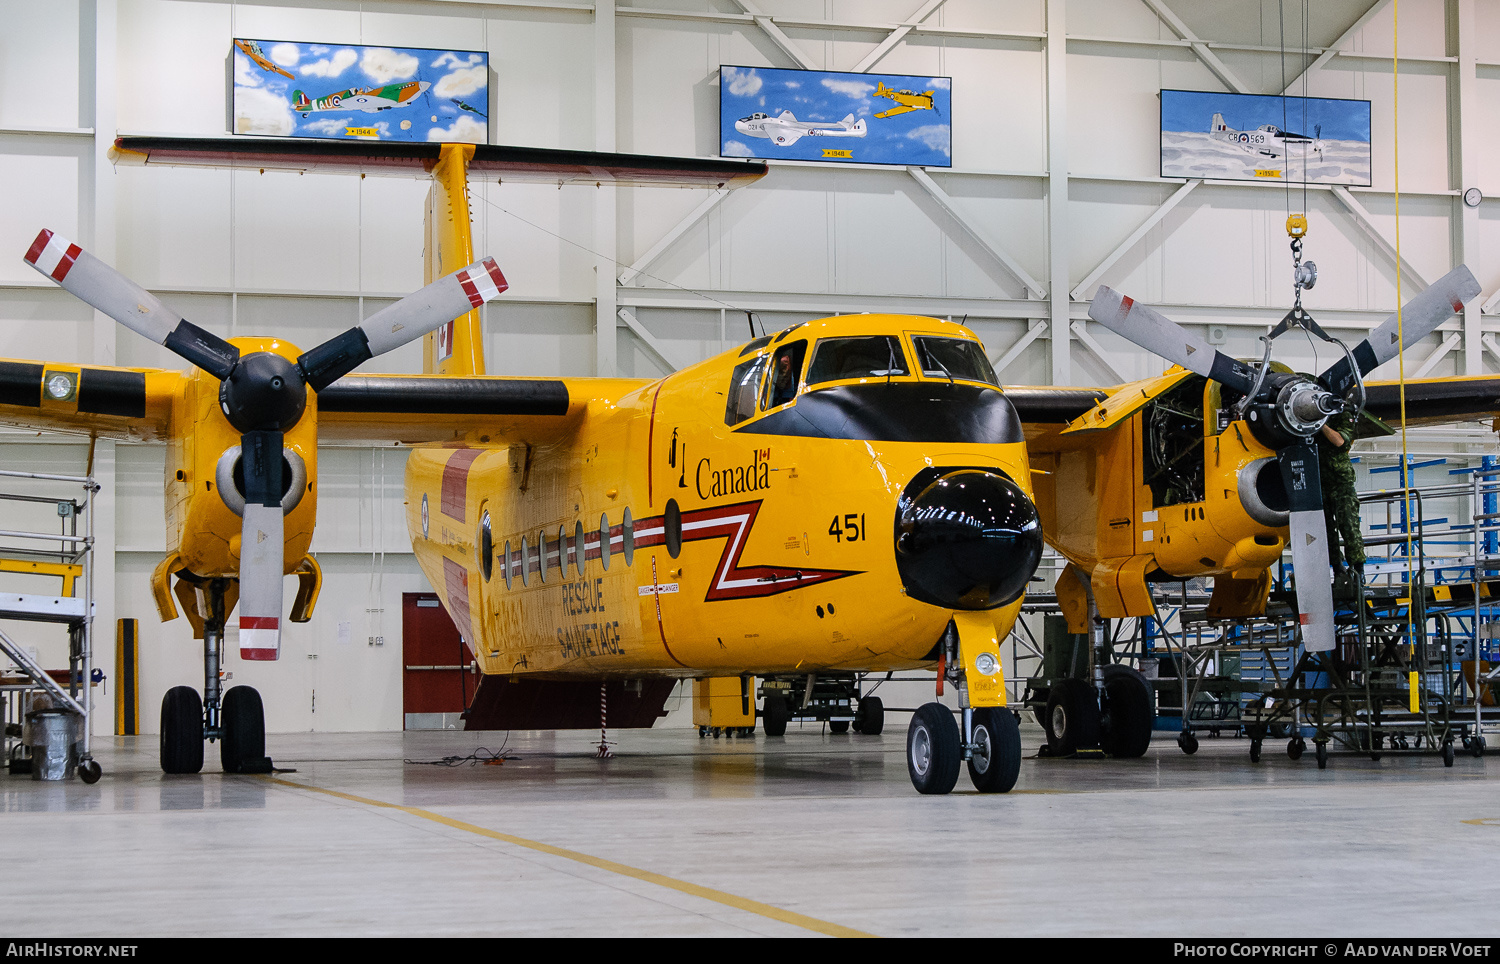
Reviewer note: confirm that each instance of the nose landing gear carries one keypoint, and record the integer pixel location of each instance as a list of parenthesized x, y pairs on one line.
[(990, 738)]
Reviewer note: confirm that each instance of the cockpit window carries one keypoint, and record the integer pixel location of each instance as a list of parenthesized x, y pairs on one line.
[(953, 358), (743, 386), (786, 368), (875, 356)]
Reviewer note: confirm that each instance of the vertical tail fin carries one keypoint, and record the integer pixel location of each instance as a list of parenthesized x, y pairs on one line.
[(300, 101), (1218, 123), (456, 348)]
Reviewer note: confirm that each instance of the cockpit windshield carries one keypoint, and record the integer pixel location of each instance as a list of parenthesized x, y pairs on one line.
[(877, 356), (953, 358)]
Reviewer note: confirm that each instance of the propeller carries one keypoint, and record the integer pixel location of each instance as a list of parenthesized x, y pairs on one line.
[(1288, 410), (262, 394)]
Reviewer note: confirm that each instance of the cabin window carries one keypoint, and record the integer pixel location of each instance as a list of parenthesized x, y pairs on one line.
[(525, 564), (604, 541), (541, 552), (743, 385), (952, 358), (578, 553), (486, 545), (562, 550), (786, 370), (672, 528), (877, 356), (508, 563), (627, 536)]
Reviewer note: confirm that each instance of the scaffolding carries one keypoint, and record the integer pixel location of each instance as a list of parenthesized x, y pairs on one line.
[(66, 555)]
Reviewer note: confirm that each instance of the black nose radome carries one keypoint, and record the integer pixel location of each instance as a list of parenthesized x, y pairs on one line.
[(966, 539)]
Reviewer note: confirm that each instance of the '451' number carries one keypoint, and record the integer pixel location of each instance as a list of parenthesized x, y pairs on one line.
[(853, 529)]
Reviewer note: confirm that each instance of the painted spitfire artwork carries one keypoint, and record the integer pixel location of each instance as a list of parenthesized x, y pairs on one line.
[(347, 91), (879, 118), (1313, 140)]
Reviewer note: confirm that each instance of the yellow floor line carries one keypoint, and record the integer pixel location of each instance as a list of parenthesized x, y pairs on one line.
[(661, 880)]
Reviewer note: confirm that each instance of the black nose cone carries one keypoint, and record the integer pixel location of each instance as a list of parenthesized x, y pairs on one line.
[(966, 539)]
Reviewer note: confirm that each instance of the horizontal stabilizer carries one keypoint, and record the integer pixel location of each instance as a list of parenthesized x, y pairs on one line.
[(403, 158)]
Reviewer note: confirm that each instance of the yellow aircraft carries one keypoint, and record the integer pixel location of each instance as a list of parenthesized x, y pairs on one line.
[(1211, 469), (852, 494), (905, 100)]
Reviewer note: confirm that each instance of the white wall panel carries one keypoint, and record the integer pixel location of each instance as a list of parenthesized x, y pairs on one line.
[(174, 66), (173, 226), (998, 125), (40, 64), (43, 179)]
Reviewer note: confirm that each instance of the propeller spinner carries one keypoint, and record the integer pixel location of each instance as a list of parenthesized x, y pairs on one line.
[(1287, 411), (262, 394)]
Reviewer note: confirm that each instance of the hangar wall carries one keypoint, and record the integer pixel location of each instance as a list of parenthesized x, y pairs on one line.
[(1055, 169)]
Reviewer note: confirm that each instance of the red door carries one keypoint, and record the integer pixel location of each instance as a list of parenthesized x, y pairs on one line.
[(436, 683)]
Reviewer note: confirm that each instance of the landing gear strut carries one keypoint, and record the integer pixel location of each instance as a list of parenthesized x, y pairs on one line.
[(989, 738), (236, 718)]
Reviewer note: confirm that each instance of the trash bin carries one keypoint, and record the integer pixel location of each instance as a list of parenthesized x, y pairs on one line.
[(53, 735)]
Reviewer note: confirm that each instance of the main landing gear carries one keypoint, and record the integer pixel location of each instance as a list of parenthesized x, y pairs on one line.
[(989, 738), (237, 720)]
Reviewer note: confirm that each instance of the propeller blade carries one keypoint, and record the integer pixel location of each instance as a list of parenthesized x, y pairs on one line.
[(1153, 331), (97, 284), (1421, 316), (1304, 488), (406, 320), (261, 546)]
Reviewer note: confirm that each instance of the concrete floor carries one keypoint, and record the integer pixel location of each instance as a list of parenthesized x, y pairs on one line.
[(805, 834)]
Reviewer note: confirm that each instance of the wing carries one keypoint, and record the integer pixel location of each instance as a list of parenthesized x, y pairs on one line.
[(117, 403), (406, 158), (1045, 412), (415, 409), (1436, 401)]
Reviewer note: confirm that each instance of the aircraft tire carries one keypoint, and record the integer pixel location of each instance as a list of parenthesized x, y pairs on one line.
[(181, 731), (994, 767), (869, 716), (243, 749), (933, 750), (775, 716), (1127, 714), (1072, 717)]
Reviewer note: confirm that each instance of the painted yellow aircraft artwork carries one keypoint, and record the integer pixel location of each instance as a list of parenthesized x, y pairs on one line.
[(850, 495), (905, 100)]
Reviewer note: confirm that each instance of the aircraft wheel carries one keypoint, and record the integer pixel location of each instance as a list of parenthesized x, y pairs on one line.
[(996, 761), (1072, 717), (1188, 743), (838, 726), (775, 716), (869, 716), (1126, 717), (243, 749), (89, 771), (181, 731), (1295, 747), (933, 753)]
